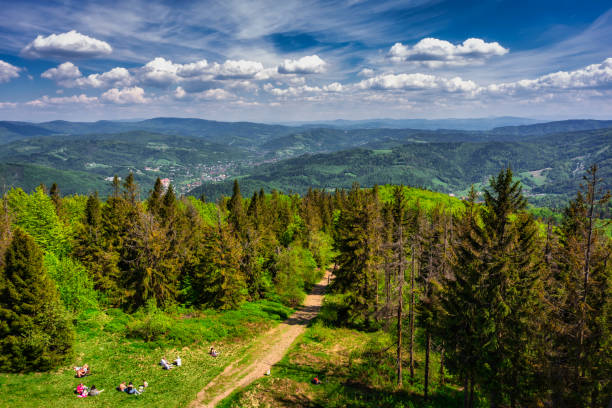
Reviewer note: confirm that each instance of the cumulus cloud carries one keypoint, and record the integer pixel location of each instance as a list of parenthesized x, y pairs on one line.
[(434, 52), (66, 45), (366, 72), (217, 94), (160, 72), (64, 74), (62, 100), (417, 81), (241, 69), (133, 95), (595, 76), (291, 90), (311, 64), (116, 77), (8, 71), (69, 76)]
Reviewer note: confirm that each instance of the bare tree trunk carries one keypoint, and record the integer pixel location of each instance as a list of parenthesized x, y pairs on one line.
[(400, 302), (471, 391), (400, 306)]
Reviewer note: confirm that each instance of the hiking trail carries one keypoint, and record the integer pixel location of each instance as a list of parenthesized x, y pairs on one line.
[(265, 351)]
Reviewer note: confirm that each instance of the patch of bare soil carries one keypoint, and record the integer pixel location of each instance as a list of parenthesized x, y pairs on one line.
[(267, 350)]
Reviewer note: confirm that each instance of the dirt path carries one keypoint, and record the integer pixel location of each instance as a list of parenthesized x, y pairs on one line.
[(267, 350)]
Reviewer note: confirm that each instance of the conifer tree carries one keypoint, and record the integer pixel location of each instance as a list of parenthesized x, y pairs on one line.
[(54, 192), (235, 207), (35, 331), (155, 197), (581, 358), (358, 241)]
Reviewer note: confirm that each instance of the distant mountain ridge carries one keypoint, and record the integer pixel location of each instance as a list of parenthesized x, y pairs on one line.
[(421, 124)]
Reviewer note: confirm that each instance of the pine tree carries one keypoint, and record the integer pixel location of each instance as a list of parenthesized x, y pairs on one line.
[(35, 331), (155, 197), (581, 362), (94, 249), (56, 197), (235, 207), (494, 299), (358, 239)]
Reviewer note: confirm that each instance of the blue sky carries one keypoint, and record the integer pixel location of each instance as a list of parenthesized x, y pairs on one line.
[(263, 60)]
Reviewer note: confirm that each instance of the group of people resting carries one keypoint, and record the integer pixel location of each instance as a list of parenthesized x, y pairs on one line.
[(167, 366), (83, 391), (130, 389)]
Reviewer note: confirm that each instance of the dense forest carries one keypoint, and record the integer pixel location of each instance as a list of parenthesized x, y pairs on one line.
[(516, 309)]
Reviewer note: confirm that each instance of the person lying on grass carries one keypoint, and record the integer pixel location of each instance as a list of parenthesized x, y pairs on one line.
[(121, 387), (164, 364), (94, 391), (213, 352), (81, 371), (316, 381)]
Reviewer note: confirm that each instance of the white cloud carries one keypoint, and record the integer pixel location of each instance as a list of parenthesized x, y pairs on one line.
[(334, 87), (217, 94), (434, 52), (133, 95), (366, 72), (417, 81), (69, 75), (232, 69), (64, 74), (8, 71), (160, 72), (192, 69), (66, 45), (116, 77), (62, 100), (589, 77), (179, 93), (311, 64), (4, 105)]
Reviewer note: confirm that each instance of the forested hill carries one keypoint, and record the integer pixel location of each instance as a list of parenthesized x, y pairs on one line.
[(433, 297), (548, 165), (204, 156)]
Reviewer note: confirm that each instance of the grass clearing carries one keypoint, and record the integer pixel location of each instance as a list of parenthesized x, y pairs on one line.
[(106, 343), (356, 370)]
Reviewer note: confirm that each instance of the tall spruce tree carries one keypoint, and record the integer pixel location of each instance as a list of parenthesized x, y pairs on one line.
[(35, 331), (581, 269)]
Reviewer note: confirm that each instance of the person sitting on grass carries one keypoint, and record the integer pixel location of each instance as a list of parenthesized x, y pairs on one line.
[(213, 352), (121, 387), (131, 390), (143, 387), (94, 391), (80, 389), (316, 381), (177, 362), (164, 364)]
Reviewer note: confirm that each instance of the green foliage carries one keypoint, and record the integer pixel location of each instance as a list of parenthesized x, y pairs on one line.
[(35, 213), (35, 331), (74, 284), (295, 271)]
